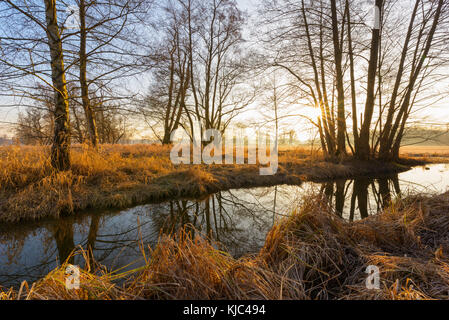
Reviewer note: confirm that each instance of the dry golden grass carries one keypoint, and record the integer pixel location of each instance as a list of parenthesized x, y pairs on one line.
[(25, 165), (432, 154), (30, 189), (96, 285), (312, 254), (119, 176)]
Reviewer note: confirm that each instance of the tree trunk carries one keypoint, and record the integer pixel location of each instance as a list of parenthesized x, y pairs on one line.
[(341, 121), (60, 151), (401, 120), (363, 149), (352, 75), (88, 110), (166, 138), (384, 149)]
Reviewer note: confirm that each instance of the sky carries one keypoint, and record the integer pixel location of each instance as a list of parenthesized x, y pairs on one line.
[(437, 113)]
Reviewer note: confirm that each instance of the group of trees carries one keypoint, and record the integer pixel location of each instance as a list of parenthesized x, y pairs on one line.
[(200, 68), (365, 66), (370, 71), (366, 73), (35, 125), (79, 51)]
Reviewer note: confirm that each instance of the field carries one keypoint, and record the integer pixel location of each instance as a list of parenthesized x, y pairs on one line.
[(433, 154), (121, 176)]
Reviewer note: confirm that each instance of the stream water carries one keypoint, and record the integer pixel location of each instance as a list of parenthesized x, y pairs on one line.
[(238, 219)]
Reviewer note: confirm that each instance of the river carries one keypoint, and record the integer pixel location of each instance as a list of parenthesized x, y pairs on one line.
[(237, 219)]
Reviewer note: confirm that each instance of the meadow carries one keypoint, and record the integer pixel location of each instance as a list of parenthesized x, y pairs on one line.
[(120, 176), (434, 154)]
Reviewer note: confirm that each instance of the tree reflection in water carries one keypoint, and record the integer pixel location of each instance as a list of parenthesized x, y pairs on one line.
[(237, 221), (365, 195), (223, 217)]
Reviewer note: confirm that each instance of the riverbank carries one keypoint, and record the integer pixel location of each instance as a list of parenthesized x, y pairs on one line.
[(312, 254), (428, 154), (124, 176)]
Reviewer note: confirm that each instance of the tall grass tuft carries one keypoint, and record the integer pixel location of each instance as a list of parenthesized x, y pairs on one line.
[(311, 254)]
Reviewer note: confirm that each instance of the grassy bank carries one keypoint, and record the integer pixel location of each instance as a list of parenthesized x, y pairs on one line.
[(429, 154), (312, 254), (121, 176)]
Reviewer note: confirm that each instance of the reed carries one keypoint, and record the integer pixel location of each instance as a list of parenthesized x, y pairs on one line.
[(311, 254)]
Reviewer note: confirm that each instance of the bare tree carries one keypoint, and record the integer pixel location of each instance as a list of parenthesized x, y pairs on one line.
[(60, 151), (323, 45), (199, 68), (217, 64), (431, 20), (165, 105), (107, 48), (49, 51)]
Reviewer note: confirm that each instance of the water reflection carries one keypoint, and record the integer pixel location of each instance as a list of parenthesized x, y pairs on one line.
[(237, 219), (365, 196), (63, 235), (236, 222)]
